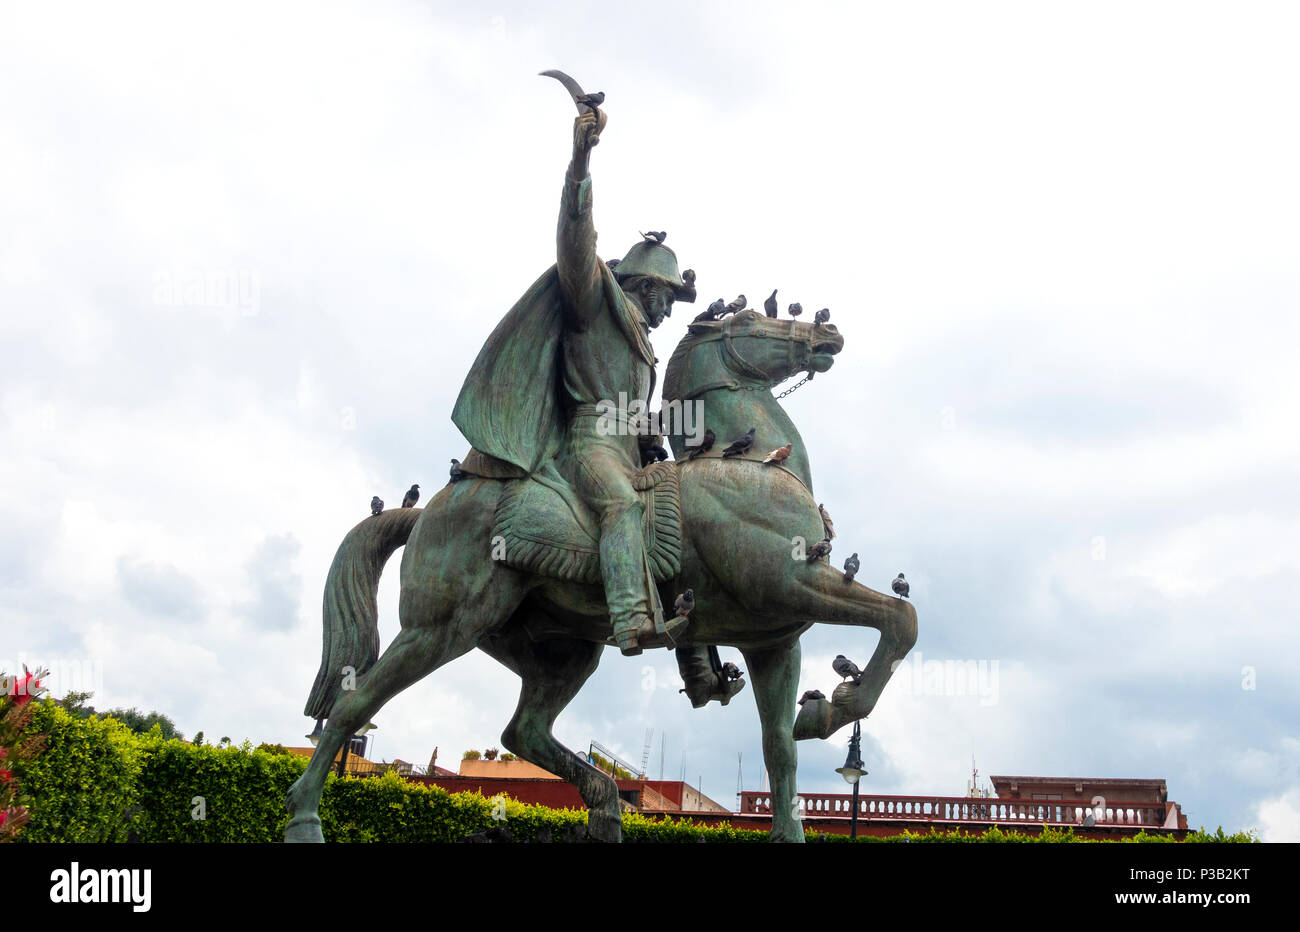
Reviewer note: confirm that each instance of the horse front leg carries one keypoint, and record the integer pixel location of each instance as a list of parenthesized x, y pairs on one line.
[(775, 674), (823, 594)]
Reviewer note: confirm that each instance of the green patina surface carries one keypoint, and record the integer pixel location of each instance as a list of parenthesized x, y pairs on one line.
[(577, 338)]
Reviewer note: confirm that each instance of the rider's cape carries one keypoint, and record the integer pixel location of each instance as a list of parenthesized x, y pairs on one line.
[(510, 405)]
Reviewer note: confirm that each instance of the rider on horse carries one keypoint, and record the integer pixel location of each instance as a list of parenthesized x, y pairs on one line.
[(584, 328)]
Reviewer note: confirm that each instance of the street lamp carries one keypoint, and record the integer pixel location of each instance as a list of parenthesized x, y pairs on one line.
[(852, 771)]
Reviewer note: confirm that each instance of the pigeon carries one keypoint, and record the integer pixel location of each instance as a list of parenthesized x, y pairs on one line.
[(711, 312), (655, 236), (705, 445), (779, 455), (901, 587), (653, 453), (376, 505), (818, 550), (611, 263), (592, 100), (822, 316), (827, 524), (770, 304), (735, 306), (412, 496), (740, 445), (851, 567), (688, 277), (685, 603), (811, 694), (729, 672), (795, 309), (457, 473), (846, 668)]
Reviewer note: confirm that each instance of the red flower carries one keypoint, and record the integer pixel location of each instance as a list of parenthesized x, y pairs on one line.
[(25, 689), (5, 776)]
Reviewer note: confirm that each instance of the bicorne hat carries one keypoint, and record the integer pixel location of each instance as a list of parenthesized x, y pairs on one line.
[(655, 260)]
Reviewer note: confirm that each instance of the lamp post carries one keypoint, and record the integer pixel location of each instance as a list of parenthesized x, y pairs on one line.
[(852, 771)]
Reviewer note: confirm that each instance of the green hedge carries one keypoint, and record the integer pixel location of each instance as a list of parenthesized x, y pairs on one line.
[(84, 782), (238, 793), (97, 781)]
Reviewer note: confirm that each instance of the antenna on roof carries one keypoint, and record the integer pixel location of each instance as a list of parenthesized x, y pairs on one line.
[(645, 751)]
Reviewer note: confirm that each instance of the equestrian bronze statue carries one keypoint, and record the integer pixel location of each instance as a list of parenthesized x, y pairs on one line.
[(559, 535)]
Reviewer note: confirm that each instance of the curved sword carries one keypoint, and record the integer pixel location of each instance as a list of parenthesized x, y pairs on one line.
[(573, 87)]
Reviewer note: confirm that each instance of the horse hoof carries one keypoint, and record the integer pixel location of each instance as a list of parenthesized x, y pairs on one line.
[(304, 830), (788, 838), (604, 827)]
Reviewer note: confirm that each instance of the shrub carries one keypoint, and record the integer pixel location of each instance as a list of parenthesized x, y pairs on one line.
[(211, 794), (84, 785), (97, 781)]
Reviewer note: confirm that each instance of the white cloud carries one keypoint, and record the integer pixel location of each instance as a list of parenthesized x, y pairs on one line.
[(1279, 818), (1073, 227)]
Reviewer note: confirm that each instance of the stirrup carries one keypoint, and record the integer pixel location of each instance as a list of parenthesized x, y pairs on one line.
[(632, 637)]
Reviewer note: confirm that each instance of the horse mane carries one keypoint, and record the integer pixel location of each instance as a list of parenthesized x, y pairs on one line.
[(677, 371)]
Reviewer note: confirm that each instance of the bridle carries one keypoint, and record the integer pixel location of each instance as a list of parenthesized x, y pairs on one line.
[(743, 369)]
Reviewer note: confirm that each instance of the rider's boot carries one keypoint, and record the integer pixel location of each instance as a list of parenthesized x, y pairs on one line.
[(629, 584), (701, 671), (711, 686)]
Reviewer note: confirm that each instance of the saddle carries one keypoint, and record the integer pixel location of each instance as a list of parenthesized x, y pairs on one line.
[(549, 531)]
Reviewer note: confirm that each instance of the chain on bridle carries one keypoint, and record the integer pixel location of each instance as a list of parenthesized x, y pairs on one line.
[(795, 387)]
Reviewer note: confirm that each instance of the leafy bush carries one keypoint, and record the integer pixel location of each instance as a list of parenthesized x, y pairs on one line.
[(211, 794), (609, 767), (1201, 836), (84, 785), (471, 755), (97, 781)]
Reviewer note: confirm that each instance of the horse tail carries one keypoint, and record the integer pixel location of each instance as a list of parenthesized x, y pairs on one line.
[(351, 610)]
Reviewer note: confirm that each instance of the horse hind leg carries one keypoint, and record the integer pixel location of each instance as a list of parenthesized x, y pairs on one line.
[(553, 671), (775, 672), (414, 653), (421, 647)]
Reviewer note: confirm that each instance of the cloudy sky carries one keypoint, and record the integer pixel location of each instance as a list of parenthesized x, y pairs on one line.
[(249, 250)]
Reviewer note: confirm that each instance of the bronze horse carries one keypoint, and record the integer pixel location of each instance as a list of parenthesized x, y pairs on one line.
[(739, 521)]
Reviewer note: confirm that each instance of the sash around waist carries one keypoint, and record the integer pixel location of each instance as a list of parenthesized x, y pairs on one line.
[(612, 413)]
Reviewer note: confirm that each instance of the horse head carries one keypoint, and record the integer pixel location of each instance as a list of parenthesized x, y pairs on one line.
[(748, 351)]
